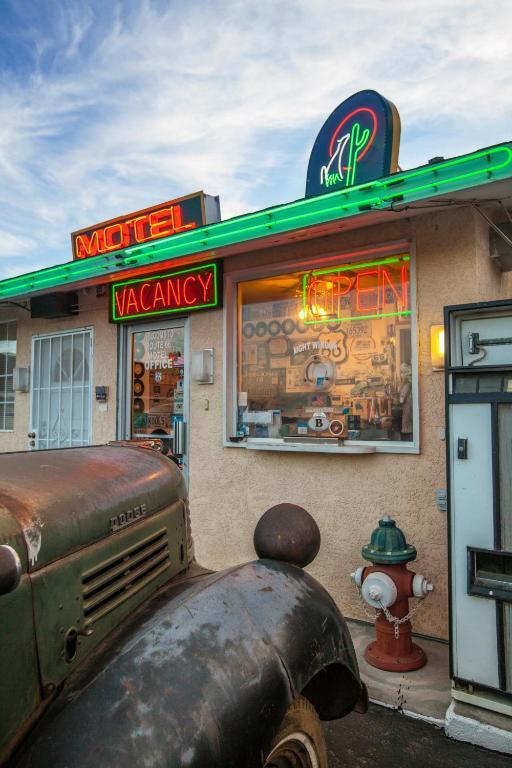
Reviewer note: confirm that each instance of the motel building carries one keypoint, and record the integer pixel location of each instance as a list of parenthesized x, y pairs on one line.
[(349, 351)]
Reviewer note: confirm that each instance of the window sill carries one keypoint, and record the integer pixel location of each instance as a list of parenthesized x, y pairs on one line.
[(348, 447)]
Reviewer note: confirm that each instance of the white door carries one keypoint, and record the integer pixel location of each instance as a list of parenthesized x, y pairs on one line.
[(474, 618), (481, 528), (61, 400), (157, 385)]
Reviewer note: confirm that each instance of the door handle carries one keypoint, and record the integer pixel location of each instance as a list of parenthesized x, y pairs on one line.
[(462, 448), (179, 438)]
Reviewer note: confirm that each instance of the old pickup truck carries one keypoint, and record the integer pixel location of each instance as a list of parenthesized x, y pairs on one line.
[(116, 648)]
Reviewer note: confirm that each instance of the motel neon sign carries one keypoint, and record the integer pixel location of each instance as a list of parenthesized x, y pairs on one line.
[(162, 220), (182, 291)]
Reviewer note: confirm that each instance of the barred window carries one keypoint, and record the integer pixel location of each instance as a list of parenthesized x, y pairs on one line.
[(7, 363)]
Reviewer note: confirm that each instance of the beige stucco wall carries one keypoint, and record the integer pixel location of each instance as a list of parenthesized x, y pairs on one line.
[(347, 494), (93, 314)]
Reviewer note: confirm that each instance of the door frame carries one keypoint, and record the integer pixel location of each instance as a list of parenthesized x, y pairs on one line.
[(453, 315), (124, 380)]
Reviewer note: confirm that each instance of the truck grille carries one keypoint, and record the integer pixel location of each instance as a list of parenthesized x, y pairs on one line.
[(108, 585)]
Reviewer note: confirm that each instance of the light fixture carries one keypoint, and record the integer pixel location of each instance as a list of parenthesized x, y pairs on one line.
[(437, 347), (202, 366)]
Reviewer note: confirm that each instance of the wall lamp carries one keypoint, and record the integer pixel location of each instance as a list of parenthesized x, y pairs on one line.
[(437, 347)]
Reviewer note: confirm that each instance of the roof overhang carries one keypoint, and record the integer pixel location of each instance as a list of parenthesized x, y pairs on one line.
[(482, 177)]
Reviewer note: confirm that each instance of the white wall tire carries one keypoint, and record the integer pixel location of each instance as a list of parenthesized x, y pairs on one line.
[(300, 741)]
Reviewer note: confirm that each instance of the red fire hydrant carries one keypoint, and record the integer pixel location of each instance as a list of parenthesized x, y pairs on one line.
[(387, 585)]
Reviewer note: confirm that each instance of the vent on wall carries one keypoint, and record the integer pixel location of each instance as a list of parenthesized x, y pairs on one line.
[(111, 583)]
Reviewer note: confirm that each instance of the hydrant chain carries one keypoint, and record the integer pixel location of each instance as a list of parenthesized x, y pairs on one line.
[(372, 616), (389, 616), (394, 620)]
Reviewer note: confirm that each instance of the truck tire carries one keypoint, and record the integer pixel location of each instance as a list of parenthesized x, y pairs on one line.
[(300, 741)]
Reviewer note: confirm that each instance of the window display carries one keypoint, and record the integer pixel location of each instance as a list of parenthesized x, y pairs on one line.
[(325, 354)]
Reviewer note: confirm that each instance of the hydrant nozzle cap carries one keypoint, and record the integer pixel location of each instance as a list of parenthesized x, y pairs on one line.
[(388, 545)]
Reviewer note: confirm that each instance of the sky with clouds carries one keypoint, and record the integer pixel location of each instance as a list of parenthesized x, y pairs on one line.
[(109, 106)]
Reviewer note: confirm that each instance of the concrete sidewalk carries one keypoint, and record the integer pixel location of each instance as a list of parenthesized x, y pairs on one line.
[(426, 692), (426, 695)]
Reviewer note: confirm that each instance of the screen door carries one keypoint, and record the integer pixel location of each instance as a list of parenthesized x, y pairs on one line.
[(61, 402)]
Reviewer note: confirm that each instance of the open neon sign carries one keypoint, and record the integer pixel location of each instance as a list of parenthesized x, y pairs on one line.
[(162, 220), (357, 291), (184, 291)]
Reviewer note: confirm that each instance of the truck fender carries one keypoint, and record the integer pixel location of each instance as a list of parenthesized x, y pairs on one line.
[(202, 675)]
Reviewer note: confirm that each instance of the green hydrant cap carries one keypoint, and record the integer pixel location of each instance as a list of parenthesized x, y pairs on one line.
[(388, 545)]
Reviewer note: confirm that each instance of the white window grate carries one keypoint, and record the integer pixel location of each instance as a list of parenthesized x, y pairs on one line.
[(61, 390)]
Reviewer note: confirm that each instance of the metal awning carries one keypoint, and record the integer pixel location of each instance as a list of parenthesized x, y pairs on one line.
[(478, 176)]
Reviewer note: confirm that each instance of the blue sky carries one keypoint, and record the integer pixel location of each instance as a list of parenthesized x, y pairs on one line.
[(109, 107)]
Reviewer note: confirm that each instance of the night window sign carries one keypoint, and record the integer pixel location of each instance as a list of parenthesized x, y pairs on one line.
[(357, 143), (163, 220), (182, 291), (364, 291)]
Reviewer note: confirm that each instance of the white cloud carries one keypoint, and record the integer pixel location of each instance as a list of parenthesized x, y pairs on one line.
[(126, 104), (14, 245)]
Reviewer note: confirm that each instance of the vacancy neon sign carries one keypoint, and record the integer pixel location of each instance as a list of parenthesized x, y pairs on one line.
[(357, 291), (162, 220), (184, 291)]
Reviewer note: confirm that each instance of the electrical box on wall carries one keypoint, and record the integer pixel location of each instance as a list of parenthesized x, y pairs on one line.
[(202, 366), (20, 379), (101, 394)]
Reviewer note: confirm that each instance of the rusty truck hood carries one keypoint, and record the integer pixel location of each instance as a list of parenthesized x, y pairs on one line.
[(55, 502)]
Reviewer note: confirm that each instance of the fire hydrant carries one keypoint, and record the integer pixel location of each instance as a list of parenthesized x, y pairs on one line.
[(387, 585)]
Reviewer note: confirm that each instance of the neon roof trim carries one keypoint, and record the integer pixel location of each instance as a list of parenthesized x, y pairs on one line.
[(459, 173)]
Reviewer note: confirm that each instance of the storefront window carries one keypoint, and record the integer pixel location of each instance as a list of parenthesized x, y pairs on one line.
[(326, 354), (7, 363)]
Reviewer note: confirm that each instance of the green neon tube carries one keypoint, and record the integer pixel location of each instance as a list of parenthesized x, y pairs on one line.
[(479, 167)]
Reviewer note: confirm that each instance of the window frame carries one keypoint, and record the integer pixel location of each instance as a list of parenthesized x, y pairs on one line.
[(230, 389), (4, 402)]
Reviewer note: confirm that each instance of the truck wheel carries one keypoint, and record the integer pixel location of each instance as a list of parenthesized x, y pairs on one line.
[(300, 742)]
